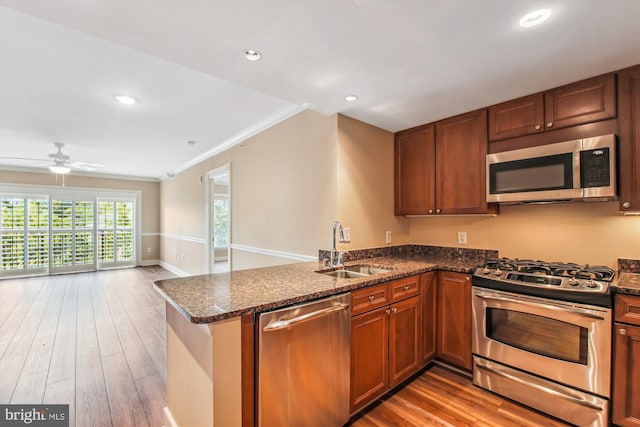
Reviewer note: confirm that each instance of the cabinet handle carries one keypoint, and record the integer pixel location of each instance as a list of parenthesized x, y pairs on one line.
[(549, 124), (387, 311), (623, 331), (430, 211), (405, 287), (537, 127), (437, 210), (395, 310), (467, 278), (626, 205), (371, 298)]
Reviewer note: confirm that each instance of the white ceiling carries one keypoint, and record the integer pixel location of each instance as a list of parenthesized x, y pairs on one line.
[(409, 62)]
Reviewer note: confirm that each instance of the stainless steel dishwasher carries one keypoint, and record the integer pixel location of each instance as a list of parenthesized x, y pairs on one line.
[(304, 363)]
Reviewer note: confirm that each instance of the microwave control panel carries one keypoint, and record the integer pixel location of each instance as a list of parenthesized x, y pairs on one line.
[(594, 168)]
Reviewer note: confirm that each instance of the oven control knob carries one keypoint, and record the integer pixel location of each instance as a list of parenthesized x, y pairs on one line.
[(574, 282), (592, 284), (498, 272)]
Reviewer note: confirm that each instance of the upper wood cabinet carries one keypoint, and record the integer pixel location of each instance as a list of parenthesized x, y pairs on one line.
[(440, 168), (461, 149), (629, 138), (586, 101), (415, 157)]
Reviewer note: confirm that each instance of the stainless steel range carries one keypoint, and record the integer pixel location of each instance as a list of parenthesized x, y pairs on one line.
[(542, 336)]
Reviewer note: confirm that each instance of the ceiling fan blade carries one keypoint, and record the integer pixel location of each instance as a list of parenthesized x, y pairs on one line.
[(24, 158), (89, 164)]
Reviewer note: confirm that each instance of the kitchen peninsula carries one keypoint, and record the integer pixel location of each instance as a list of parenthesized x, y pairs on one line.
[(210, 323)]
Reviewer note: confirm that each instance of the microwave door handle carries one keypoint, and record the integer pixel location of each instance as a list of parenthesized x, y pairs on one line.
[(540, 387), (573, 310)]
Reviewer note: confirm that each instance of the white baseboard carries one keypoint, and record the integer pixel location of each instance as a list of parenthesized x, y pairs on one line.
[(168, 418), (148, 262), (172, 268)]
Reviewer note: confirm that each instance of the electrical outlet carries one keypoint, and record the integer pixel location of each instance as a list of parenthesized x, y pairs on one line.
[(347, 234), (462, 237), (388, 237), (148, 249)]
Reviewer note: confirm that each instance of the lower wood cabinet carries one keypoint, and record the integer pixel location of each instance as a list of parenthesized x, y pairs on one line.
[(428, 295), (454, 319), (626, 365), (385, 343)]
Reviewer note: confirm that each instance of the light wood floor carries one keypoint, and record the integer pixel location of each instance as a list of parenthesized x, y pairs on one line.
[(97, 342), (93, 340)]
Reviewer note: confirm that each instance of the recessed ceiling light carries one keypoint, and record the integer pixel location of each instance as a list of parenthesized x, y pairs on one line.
[(252, 54), (350, 98), (126, 99), (534, 18)]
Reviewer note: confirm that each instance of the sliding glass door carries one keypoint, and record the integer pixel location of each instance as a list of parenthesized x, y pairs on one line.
[(42, 234)]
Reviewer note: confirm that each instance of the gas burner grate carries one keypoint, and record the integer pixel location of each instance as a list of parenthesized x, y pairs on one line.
[(560, 269)]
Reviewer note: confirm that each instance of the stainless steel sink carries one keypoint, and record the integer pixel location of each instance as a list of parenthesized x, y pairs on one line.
[(355, 271)]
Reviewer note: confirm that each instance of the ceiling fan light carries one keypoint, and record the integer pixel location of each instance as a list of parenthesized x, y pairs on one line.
[(59, 169)]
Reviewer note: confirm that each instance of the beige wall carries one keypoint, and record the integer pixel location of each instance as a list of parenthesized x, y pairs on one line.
[(150, 199), (593, 233), (283, 196), (365, 185)]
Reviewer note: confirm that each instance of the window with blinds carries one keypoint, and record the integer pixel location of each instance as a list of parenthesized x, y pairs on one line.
[(40, 234)]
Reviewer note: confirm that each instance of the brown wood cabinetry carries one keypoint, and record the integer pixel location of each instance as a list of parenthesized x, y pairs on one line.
[(415, 157), (428, 296), (385, 341), (440, 168), (454, 319), (626, 366), (586, 101), (461, 149), (629, 137)]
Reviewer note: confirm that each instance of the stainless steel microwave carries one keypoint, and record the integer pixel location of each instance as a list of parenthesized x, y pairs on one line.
[(582, 169)]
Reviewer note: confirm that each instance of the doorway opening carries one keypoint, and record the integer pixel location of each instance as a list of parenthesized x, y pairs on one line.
[(219, 219)]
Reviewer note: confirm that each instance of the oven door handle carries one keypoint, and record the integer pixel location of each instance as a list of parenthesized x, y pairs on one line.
[(573, 310), (545, 389)]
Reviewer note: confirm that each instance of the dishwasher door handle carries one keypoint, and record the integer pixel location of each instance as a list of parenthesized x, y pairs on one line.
[(283, 324)]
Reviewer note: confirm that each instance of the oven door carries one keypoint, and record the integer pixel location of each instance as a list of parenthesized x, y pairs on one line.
[(564, 342)]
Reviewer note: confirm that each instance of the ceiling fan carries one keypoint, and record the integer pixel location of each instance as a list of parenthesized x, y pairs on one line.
[(61, 163)]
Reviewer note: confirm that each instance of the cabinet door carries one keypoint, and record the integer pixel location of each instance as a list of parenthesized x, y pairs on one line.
[(522, 116), (629, 143), (586, 101), (369, 357), (626, 376), (428, 294), (461, 150), (454, 319), (404, 340), (415, 171)]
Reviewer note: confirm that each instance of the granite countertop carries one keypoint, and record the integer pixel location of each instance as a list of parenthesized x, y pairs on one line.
[(628, 281), (213, 297)]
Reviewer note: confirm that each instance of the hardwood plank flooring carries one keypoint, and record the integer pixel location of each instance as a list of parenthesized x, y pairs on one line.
[(97, 340), (94, 340), (440, 397)]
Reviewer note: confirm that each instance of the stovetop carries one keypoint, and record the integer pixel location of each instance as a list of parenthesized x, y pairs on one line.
[(558, 280)]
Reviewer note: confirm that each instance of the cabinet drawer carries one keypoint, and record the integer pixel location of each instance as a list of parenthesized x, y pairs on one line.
[(367, 299), (627, 309), (404, 288)]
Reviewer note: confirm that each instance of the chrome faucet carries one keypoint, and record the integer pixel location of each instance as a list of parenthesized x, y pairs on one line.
[(336, 225)]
